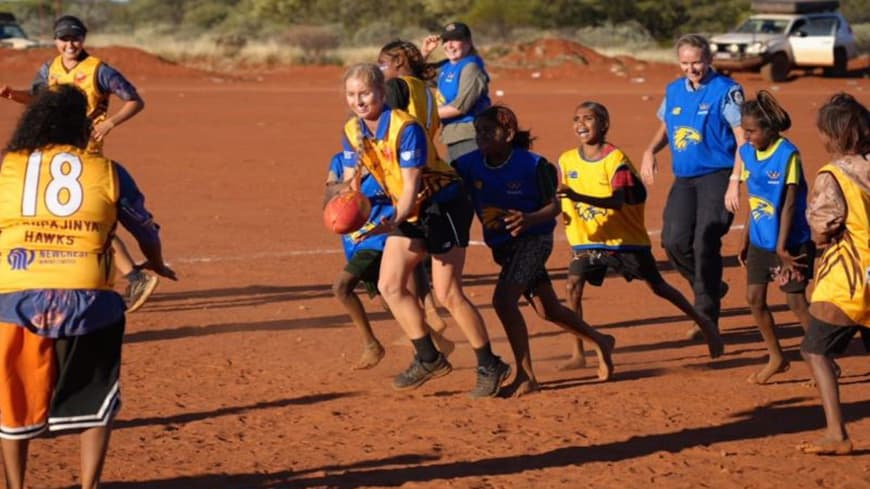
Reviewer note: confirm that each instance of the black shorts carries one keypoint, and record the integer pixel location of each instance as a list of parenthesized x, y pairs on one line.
[(827, 339), (762, 266), (366, 266), (441, 225), (592, 265), (523, 261)]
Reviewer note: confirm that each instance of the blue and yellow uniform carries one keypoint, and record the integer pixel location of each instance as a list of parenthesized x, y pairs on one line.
[(699, 122), (95, 78), (58, 211), (448, 88), (514, 185), (591, 227), (767, 175), (526, 182), (381, 208), (398, 142)]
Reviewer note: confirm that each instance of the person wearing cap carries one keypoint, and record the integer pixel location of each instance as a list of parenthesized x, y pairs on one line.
[(98, 81), (463, 87)]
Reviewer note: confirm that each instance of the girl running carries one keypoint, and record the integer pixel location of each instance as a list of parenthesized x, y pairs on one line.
[(603, 204), (776, 239), (364, 252), (395, 149), (839, 218), (513, 192)]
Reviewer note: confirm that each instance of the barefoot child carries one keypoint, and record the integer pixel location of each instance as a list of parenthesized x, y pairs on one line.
[(603, 204), (363, 253), (838, 214), (776, 239), (513, 192), (432, 216)]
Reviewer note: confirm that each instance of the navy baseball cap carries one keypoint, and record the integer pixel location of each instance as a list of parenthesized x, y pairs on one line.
[(456, 31), (69, 25)]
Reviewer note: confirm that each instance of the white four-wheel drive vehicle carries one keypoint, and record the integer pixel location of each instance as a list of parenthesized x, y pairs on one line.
[(782, 35), (12, 35)]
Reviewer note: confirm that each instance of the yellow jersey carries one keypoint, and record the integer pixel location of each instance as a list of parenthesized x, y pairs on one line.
[(843, 272), (58, 210), (84, 76), (381, 157), (591, 227), (422, 105)]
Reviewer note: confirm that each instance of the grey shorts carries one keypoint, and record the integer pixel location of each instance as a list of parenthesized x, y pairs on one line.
[(523, 261)]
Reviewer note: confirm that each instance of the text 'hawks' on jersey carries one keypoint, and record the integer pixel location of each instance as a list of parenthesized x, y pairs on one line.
[(55, 234)]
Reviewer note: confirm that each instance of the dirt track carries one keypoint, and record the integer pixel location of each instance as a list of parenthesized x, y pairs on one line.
[(238, 375)]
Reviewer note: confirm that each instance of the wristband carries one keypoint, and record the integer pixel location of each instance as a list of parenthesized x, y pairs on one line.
[(734, 178)]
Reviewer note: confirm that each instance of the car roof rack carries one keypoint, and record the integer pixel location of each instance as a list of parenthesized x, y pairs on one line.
[(794, 6)]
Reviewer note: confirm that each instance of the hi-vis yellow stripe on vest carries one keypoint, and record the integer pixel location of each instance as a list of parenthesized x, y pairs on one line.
[(843, 273), (58, 209)]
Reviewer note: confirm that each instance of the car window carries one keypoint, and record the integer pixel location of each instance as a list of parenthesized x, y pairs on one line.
[(820, 26), (9, 31), (763, 26)]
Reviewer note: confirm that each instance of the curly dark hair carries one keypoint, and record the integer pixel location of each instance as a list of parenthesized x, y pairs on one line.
[(56, 116), (505, 118)]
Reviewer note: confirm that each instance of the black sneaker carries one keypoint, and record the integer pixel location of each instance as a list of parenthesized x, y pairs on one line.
[(420, 372), (489, 379)]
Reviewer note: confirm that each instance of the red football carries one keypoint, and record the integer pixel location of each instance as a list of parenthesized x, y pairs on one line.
[(346, 212)]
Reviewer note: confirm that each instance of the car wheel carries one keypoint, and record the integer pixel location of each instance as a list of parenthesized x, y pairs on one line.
[(776, 70), (841, 63)]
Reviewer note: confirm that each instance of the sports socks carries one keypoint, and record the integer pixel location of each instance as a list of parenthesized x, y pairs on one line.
[(426, 351), (485, 357)]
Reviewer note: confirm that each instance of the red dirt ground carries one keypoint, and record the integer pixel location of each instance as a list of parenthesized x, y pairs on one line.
[(238, 376)]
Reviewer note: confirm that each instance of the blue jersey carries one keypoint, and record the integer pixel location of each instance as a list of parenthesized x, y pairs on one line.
[(448, 87), (382, 208), (513, 185), (767, 175), (699, 134)]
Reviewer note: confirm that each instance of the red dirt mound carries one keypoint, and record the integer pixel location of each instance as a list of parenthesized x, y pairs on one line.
[(133, 62), (559, 57)]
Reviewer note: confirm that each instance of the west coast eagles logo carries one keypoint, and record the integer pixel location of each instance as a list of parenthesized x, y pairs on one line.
[(587, 212), (684, 137), (760, 208)]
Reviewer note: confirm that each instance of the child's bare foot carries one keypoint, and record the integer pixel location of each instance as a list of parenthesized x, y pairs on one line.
[(371, 356), (525, 387), (444, 345), (604, 351), (826, 446), (772, 368), (575, 363), (521, 385)]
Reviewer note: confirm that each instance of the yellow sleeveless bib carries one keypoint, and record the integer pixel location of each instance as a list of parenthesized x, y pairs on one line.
[(596, 227), (843, 272), (381, 158), (423, 106), (57, 215), (84, 76)]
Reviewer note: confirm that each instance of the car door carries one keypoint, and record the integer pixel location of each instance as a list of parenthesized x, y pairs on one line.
[(812, 41)]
